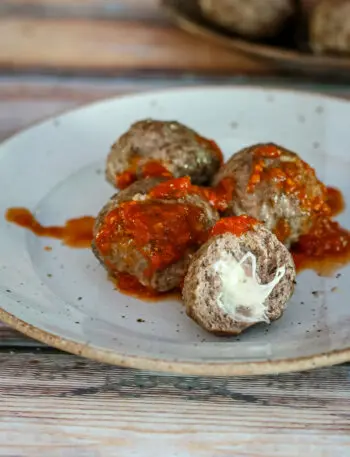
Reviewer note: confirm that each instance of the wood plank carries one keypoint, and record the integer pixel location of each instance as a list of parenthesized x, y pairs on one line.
[(121, 9), (9, 338), (26, 100), (63, 406), (112, 47), (132, 4)]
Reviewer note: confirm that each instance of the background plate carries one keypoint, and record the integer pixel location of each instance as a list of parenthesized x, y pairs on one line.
[(187, 15), (62, 297)]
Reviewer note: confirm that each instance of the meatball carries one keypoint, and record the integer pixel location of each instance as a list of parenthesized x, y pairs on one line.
[(150, 230), (251, 18), (276, 187), (330, 27), (241, 276), (162, 148)]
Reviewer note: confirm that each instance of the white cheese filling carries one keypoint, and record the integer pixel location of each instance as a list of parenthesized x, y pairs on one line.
[(242, 295)]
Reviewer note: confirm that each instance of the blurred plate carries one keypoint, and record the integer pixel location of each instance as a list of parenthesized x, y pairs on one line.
[(187, 15), (62, 297)]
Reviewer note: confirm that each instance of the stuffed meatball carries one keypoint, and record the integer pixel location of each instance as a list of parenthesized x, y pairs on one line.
[(273, 185), (162, 148), (241, 276), (150, 231)]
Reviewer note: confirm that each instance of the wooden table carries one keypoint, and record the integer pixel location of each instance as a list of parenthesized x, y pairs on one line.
[(58, 54)]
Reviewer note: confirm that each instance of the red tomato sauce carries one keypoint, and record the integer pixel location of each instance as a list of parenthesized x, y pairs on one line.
[(237, 225), (161, 232), (76, 233), (154, 168), (211, 144), (287, 176), (129, 285), (324, 249), (327, 245), (219, 196), (335, 201), (282, 230)]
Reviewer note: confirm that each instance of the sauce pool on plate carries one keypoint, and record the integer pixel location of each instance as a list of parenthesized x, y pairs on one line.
[(75, 233), (129, 285)]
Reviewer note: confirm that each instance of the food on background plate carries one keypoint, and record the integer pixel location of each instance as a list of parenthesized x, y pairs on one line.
[(329, 27), (241, 276), (250, 18), (162, 148), (273, 185), (150, 230), (310, 26)]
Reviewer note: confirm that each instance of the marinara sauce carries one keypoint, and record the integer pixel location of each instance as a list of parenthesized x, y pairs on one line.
[(75, 233)]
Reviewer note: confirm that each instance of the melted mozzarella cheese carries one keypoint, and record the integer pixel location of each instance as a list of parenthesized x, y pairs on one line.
[(243, 296)]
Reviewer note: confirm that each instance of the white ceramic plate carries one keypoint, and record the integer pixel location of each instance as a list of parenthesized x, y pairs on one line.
[(63, 298)]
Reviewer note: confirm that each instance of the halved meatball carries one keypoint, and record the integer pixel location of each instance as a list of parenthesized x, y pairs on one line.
[(273, 185), (150, 233), (162, 148), (238, 278), (251, 18)]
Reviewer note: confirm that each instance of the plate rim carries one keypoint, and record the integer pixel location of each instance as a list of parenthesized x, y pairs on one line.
[(176, 366), (211, 369)]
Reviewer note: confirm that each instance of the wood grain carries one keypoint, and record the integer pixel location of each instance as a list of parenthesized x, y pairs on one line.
[(24, 101), (111, 47), (136, 5), (63, 405), (119, 9)]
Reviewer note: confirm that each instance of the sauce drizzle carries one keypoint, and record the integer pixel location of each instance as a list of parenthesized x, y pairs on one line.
[(76, 233), (237, 225), (335, 201), (129, 285), (324, 249), (161, 232), (289, 177), (218, 197), (155, 168)]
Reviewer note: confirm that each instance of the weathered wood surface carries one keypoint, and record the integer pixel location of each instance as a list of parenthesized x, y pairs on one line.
[(114, 8), (25, 100), (61, 405), (108, 37)]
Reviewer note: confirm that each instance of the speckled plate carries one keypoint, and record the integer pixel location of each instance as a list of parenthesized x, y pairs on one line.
[(63, 298)]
